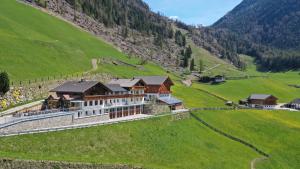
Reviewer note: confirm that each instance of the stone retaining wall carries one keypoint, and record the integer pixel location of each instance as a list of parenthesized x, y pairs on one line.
[(39, 124), (26, 164), (91, 119)]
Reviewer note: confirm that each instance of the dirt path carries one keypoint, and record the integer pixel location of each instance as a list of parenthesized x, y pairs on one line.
[(257, 160)]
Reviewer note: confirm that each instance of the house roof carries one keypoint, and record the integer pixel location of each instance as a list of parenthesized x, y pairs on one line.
[(153, 80), (115, 88), (170, 100), (75, 86), (296, 101), (125, 82), (260, 96)]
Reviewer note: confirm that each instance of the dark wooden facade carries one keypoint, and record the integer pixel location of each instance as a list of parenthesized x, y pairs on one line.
[(164, 88), (271, 100)]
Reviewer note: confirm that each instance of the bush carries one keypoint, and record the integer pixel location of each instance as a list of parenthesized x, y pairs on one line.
[(4, 83)]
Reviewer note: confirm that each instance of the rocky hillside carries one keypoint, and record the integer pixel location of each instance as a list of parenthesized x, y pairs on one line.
[(128, 24), (274, 23)]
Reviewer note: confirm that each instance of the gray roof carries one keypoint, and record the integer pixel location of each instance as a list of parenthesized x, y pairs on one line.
[(260, 96), (115, 88), (125, 82), (296, 101), (170, 100), (153, 80), (75, 86)]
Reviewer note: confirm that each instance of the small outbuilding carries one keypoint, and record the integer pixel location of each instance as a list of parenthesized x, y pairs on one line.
[(265, 101), (219, 79)]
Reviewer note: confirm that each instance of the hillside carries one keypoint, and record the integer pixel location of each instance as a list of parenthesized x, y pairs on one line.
[(159, 143), (34, 44), (268, 30), (163, 143), (275, 132), (274, 23)]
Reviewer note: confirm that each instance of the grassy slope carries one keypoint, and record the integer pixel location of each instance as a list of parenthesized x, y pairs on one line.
[(156, 143), (42, 45), (275, 132), (275, 83), (210, 61)]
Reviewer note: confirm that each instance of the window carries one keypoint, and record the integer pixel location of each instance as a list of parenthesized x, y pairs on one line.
[(91, 103), (85, 103), (86, 113), (94, 112), (78, 114), (101, 102), (96, 103), (100, 111)]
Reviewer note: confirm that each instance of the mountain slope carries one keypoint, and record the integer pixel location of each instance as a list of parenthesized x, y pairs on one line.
[(274, 23), (34, 44)]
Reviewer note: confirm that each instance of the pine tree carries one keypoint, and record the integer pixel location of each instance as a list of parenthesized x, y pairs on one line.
[(201, 66), (4, 83), (192, 65), (185, 61), (188, 52)]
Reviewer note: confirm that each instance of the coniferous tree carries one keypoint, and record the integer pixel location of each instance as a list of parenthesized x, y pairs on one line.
[(185, 61), (4, 83), (201, 66), (192, 65), (188, 52)]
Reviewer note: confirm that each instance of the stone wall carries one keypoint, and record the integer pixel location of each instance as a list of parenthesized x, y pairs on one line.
[(39, 124), (52, 122), (155, 109), (91, 119), (26, 164)]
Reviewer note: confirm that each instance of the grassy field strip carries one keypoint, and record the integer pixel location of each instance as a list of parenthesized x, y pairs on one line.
[(212, 94), (276, 132), (261, 152)]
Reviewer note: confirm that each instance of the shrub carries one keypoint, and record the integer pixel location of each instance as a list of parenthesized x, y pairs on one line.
[(4, 83)]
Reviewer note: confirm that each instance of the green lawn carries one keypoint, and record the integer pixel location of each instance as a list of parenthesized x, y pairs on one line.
[(276, 84), (275, 132), (34, 44), (157, 143)]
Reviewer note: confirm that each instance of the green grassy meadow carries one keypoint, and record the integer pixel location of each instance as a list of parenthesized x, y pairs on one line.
[(157, 143), (270, 83), (275, 132), (42, 45)]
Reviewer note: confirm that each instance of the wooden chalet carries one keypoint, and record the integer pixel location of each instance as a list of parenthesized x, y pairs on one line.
[(158, 88), (94, 98), (262, 101)]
